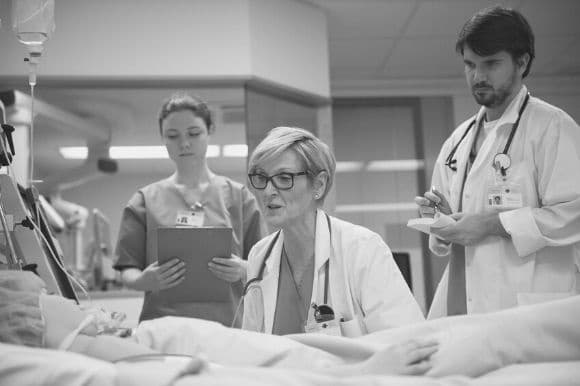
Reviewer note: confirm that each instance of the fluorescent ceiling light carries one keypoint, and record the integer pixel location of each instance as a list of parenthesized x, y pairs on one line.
[(237, 150), (348, 166), (395, 165), (130, 152), (74, 152), (138, 152), (212, 151)]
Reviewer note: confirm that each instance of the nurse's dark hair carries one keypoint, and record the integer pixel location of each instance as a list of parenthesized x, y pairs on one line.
[(496, 29), (186, 102)]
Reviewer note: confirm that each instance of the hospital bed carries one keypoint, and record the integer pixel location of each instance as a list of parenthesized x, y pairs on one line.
[(532, 345)]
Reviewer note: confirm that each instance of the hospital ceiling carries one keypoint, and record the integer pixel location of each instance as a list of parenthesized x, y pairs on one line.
[(382, 41)]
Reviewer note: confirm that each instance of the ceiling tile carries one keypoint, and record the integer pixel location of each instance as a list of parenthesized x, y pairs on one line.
[(366, 18), (552, 18), (360, 53), (424, 57), (446, 17), (353, 73)]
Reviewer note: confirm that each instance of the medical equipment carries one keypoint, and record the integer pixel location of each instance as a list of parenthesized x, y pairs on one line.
[(501, 161), (322, 309), (33, 23), (29, 244)]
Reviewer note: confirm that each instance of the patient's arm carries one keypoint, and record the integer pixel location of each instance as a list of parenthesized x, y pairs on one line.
[(107, 347), (408, 358)]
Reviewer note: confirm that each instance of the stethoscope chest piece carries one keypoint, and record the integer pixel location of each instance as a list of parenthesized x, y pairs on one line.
[(501, 163)]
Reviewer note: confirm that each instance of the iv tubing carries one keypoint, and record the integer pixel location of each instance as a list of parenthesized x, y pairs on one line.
[(31, 137)]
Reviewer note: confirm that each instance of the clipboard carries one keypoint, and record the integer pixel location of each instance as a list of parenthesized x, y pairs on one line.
[(195, 247)]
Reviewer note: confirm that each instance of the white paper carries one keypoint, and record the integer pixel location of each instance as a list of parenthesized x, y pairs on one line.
[(425, 224)]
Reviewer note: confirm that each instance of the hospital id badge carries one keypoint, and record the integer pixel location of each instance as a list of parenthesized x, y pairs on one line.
[(330, 327), (193, 218), (506, 196)]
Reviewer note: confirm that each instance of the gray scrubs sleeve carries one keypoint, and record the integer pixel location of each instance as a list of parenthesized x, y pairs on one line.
[(131, 244)]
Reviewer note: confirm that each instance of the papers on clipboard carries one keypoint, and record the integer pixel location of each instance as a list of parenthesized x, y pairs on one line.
[(195, 247), (425, 224)]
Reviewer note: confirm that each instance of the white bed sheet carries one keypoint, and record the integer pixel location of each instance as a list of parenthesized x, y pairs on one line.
[(533, 345)]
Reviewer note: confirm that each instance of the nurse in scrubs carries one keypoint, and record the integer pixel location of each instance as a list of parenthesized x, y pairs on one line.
[(316, 273), (192, 196)]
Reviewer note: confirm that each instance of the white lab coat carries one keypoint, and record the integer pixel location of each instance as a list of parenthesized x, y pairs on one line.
[(538, 262), (366, 287)]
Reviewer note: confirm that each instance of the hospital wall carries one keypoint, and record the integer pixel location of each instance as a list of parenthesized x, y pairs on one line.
[(179, 40)]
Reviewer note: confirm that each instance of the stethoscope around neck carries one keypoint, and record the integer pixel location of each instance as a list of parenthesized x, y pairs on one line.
[(260, 275), (501, 161)]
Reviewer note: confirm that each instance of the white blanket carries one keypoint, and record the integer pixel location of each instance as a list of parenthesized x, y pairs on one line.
[(534, 345), (468, 345)]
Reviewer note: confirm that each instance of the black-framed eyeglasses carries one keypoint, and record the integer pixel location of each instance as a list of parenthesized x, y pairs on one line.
[(282, 181)]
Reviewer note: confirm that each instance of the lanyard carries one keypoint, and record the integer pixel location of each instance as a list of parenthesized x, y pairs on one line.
[(269, 252), (451, 162)]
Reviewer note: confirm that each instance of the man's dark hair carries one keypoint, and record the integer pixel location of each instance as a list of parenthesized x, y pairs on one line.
[(496, 29)]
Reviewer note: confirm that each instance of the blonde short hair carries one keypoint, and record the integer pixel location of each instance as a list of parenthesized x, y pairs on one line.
[(315, 154)]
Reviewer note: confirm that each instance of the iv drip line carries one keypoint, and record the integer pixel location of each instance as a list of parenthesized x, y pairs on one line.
[(31, 137)]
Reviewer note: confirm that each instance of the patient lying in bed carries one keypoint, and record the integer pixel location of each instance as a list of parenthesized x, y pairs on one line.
[(466, 345), (31, 317)]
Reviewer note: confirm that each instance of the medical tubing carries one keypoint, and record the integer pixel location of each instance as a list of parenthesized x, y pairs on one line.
[(69, 339), (238, 310), (516, 124), (450, 161), (31, 137), (60, 265)]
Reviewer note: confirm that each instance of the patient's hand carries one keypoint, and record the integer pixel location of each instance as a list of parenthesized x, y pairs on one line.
[(408, 358)]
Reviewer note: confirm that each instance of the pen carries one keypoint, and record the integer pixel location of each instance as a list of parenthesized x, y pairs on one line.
[(435, 205)]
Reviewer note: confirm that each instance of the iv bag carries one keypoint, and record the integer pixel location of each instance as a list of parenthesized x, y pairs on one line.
[(33, 21)]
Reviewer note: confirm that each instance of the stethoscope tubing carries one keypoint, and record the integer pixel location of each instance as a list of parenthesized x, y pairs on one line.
[(450, 162), (260, 275)]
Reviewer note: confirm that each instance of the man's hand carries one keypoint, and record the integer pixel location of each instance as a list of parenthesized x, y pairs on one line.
[(230, 269), (471, 228), (431, 200)]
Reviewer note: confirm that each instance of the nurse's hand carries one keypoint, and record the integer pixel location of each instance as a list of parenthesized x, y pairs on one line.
[(158, 277), (431, 200), (471, 228), (408, 358), (230, 269)]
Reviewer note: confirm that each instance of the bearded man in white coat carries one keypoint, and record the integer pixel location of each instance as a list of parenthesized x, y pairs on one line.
[(509, 177)]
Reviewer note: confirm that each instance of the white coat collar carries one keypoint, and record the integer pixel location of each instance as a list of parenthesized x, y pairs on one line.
[(321, 241)]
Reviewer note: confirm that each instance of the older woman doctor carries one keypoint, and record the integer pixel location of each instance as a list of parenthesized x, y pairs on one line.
[(316, 273)]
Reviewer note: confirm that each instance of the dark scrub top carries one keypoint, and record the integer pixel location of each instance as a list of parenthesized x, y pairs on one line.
[(226, 203)]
